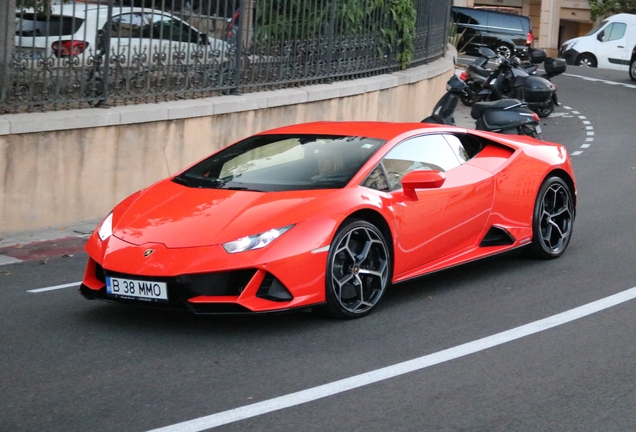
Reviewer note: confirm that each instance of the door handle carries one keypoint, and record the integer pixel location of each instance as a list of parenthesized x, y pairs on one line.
[(620, 46)]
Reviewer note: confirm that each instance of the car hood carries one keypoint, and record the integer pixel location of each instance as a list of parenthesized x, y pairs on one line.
[(179, 216), (569, 42)]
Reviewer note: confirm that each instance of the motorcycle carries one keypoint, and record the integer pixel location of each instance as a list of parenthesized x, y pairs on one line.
[(506, 116), (514, 79)]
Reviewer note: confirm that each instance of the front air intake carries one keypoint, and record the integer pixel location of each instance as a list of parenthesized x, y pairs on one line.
[(272, 289)]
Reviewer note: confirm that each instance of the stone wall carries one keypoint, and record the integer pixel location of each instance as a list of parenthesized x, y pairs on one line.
[(68, 166)]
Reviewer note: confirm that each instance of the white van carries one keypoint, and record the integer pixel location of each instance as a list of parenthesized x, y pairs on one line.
[(608, 45)]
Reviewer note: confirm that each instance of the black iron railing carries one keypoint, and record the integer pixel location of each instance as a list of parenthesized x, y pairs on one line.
[(70, 54)]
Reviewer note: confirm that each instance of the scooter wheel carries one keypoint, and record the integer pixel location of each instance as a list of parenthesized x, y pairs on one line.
[(467, 100), (546, 111)]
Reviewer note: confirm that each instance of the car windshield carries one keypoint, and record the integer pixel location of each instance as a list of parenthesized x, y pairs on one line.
[(596, 28), (269, 163)]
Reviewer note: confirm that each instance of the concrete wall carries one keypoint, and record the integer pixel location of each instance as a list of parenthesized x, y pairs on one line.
[(69, 166)]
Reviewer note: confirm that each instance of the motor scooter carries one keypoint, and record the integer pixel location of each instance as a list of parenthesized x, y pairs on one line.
[(506, 116), (516, 79)]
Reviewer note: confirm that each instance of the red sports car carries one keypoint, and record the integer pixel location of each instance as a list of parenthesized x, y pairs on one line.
[(328, 215)]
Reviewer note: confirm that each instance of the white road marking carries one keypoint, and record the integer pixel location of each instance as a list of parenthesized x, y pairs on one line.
[(585, 146), (4, 259), (590, 133), (336, 387), (589, 139), (53, 288), (601, 80), (589, 127), (585, 122), (576, 153)]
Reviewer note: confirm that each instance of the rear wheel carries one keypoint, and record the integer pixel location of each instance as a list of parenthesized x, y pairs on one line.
[(586, 60), (632, 70), (358, 270), (504, 50), (552, 220)]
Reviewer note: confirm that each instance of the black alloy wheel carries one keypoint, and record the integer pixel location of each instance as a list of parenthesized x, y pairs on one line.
[(504, 50), (632, 69), (358, 270), (553, 219)]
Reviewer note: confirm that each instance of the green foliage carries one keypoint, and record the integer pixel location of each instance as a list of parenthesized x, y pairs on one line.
[(393, 19), (602, 9), (455, 38)]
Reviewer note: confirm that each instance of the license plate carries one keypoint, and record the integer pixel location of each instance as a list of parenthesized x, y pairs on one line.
[(137, 289), (30, 53), (537, 128)]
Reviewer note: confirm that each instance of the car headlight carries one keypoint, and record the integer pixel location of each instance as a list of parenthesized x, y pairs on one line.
[(256, 241), (106, 228), (570, 45)]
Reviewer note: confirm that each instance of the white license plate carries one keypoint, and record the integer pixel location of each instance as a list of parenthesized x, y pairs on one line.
[(31, 53), (537, 128), (136, 289)]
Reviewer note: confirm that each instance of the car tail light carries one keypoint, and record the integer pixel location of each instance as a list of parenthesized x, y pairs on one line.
[(463, 76), (535, 116), (68, 48), (529, 39)]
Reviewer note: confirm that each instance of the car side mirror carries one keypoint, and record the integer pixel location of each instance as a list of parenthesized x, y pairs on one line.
[(600, 35), (422, 179), (203, 39)]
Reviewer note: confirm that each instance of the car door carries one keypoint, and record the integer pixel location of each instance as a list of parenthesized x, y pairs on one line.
[(175, 39), (131, 34), (612, 47), (444, 220)]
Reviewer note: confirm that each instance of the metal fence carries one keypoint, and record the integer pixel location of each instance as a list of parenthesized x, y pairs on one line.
[(106, 52)]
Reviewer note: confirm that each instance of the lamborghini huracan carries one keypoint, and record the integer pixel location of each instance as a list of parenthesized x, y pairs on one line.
[(329, 215)]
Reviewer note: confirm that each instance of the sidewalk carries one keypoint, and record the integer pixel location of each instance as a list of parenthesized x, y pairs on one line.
[(45, 243)]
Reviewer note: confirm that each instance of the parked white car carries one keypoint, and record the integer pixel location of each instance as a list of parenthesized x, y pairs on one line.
[(608, 45), (138, 36)]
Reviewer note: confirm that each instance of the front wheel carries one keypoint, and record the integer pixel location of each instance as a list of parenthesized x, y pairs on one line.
[(358, 270), (544, 112), (632, 70), (586, 60), (553, 219)]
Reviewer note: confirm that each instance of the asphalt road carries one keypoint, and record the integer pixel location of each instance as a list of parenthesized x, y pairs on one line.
[(73, 365)]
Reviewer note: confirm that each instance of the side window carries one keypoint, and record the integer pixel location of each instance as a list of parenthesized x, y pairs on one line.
[(426, 152), (617, 31), (169, 28), (465, 146), (130, 25), (507, 22)]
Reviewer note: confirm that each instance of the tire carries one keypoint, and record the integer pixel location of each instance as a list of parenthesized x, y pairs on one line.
[(467, 99), (504, 50), (552, 220), (545, 111), (586, 60), (359, 270), (632, 70)]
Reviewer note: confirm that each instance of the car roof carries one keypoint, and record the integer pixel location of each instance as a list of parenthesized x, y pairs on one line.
[(381, 130), (79, 8)]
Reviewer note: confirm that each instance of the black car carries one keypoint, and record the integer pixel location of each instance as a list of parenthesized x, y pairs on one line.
[(506, 34)]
